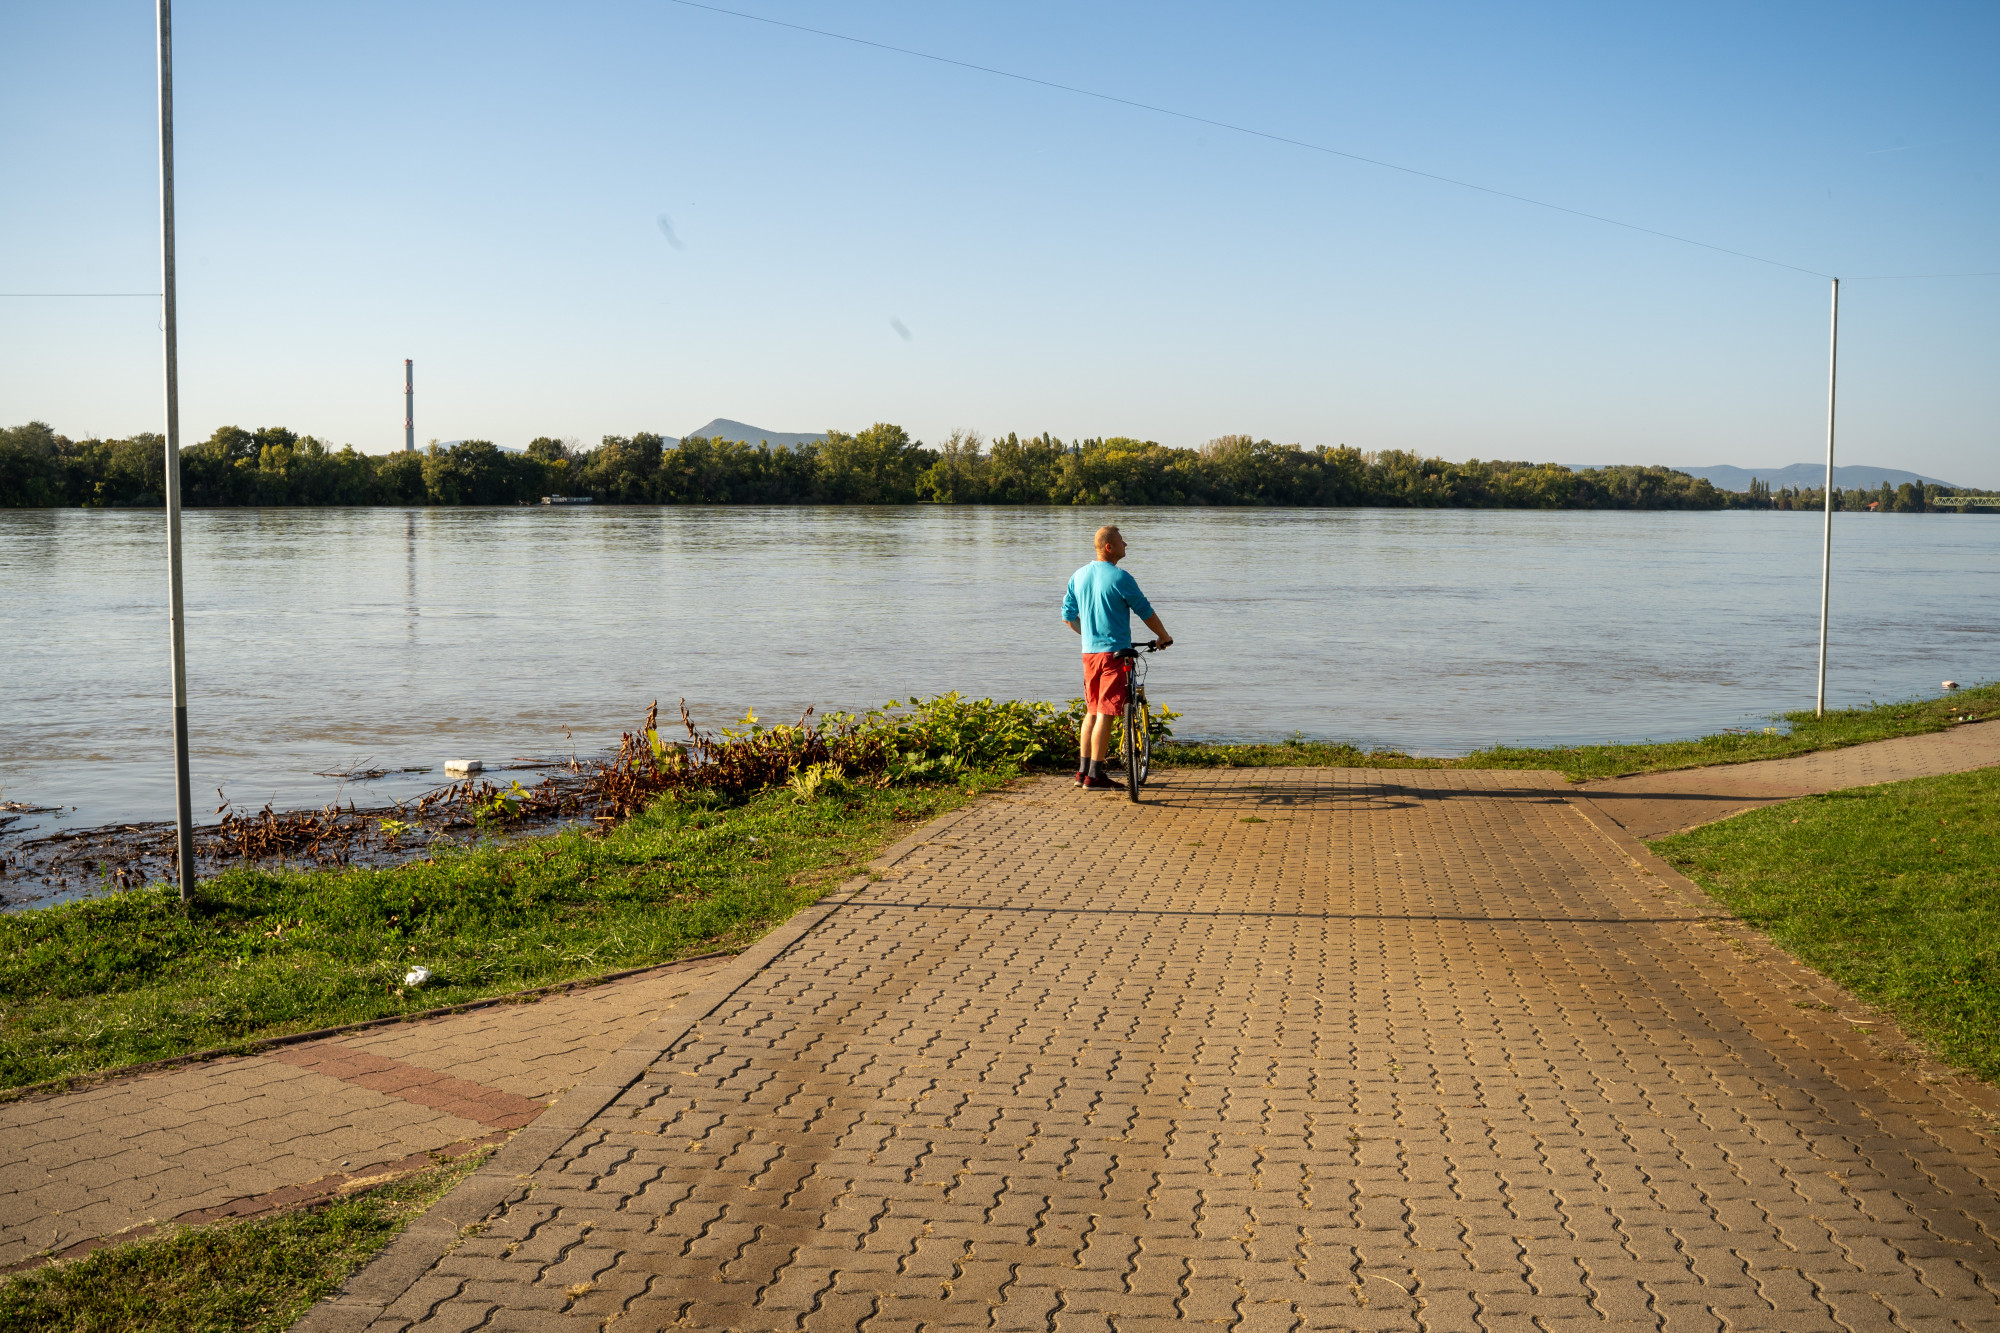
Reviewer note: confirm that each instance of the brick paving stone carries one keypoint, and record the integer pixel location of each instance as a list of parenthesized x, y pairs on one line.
[(163, 1146), (1650, 805), (1277, 1049), (1179, 1121)]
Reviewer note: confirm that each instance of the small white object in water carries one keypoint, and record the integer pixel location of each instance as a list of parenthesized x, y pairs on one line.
[(416, 977), (463, 766), (1951, 684)]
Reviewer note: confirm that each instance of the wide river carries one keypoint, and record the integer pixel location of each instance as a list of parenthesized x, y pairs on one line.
[(320, 640)]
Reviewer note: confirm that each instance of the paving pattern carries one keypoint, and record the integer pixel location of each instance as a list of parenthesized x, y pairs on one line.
[(1276, 1050), (242, 1136), (1650, 805)]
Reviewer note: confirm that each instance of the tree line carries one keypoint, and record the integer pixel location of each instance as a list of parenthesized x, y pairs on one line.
[(880, 465), (1908, 498)]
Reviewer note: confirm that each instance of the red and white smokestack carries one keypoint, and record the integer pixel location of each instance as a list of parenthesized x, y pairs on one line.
[(409, 407)]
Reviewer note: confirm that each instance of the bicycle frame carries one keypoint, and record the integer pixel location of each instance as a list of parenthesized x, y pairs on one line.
[(1136, 740)]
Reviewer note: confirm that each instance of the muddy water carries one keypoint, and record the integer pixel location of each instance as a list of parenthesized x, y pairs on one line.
[(328, 640)]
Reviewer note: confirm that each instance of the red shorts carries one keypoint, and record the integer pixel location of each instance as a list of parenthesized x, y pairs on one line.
[(1107, 681)]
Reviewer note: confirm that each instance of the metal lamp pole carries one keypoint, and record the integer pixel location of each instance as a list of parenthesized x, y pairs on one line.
[(1826, 547), (176, 611)]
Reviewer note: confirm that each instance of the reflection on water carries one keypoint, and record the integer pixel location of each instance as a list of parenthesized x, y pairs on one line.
[(310, 650), (410, 575)]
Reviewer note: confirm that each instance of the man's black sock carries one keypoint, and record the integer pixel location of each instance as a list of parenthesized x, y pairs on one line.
[(1096, 769)]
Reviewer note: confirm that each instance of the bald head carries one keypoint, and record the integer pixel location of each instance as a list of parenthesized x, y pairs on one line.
[(1110, 543)]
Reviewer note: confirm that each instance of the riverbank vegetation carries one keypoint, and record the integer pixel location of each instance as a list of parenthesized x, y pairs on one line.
[(1908, 498), (261, 1275), (708, 846), (1792, 733), (1889, 890), (130, 977), (879, 465), (723, 840)]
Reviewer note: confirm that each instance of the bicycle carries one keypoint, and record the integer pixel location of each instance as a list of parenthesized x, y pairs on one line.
[(1137, 752)]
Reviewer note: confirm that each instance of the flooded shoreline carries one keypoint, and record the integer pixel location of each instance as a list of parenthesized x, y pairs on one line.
[(333, 642), (44, 865)]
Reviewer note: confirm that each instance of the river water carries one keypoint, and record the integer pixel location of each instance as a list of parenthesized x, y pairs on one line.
[(322, 640)]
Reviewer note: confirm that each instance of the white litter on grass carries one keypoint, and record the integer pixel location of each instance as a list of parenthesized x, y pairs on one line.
[(416, 977)]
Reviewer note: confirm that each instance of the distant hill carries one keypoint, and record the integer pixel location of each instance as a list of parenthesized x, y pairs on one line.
[(1799, 475), (722, 428)]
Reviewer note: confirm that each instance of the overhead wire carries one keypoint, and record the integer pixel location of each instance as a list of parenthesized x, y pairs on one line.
[(1233, 128), (1886, 277), (1247, 130)]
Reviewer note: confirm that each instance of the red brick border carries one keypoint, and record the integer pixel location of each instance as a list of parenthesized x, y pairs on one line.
[(412, 1083)]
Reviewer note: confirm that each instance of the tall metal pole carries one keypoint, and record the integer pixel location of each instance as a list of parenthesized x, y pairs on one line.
[(176, 610), (1826, 546), (409, 407)]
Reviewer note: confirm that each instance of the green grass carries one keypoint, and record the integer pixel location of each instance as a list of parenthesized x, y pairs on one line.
[(1892, 891), (1794, 733), (262, 1274), (92, 986)]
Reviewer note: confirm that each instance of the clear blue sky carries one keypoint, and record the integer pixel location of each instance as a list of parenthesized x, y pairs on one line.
[(478, 186)]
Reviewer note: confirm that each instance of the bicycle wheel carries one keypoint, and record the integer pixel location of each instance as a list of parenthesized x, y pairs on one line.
[(1143, 751), (1134, 728)]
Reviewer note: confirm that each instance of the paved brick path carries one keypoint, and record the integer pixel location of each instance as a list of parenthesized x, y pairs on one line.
[(1649, 805), (242, 1136), (1279, 1049)]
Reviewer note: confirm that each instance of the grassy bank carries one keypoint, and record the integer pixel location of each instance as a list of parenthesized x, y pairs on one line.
[(94, 985), (131, 977), (1893, 891), (256, 1275), (1793, 733)]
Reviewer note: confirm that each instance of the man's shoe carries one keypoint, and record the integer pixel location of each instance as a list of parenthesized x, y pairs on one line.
[(1100, 784), (1081, 777)]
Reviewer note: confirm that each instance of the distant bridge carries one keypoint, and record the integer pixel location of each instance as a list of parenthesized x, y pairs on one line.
[(1969, 501)]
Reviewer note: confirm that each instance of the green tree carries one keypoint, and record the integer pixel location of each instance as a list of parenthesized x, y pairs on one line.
[(1024, 471), (479, 472), (135, 470), (959, 474), (31, 467), (624, 469), (398, 479), (879, 465)]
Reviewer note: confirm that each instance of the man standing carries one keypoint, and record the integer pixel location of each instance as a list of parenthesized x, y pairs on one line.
[(1099, 604)]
